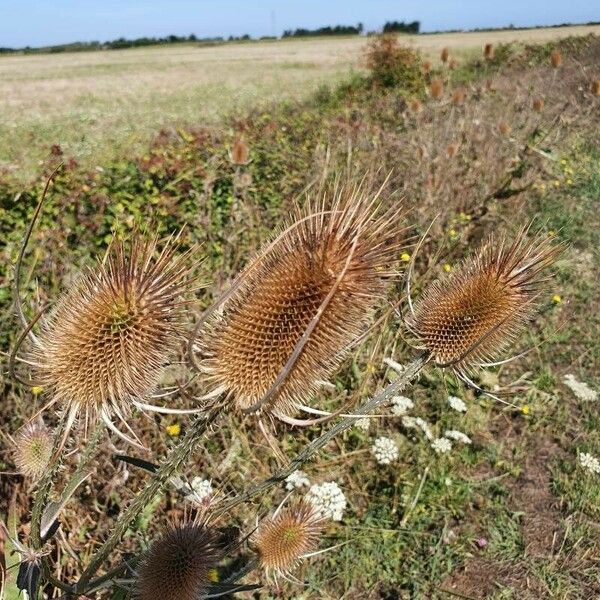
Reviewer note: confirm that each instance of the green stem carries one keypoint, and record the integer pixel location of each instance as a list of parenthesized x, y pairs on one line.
[(367, 407), (174, 461)]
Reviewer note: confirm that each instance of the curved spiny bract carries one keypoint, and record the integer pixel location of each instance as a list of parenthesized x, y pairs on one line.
[(284, 538), (333, 258), (111, 335), (472, 315), (178, 565)]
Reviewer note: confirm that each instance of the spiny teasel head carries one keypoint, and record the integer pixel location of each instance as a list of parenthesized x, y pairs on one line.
[(556, 59), (488, 51), (504, 128), (33, 450), (595, 87), (474, 313), (111, 335), (416, 106), (328, 269), (426, 67), (178, 565), (284, 538), (444, 55), (458, 96), (538, 105), (240, 153), (436, 89), (452, 150)]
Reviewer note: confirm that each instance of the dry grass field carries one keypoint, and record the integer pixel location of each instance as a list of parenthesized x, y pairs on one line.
[(102, 105)]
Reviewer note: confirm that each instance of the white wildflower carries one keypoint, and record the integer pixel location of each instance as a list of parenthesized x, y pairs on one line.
[(201, 490), (384, 450), (390, 362), (589, 462), (441, 445), (459, 436), (296, 480), (582, 390), (328, 500), (364, 423), (401, 405), (417, 423), (457, 404)]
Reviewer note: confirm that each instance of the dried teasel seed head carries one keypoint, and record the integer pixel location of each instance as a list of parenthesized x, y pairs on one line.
[(339, 254), (445, 55), (112, 333), (436, 89), (416, 106), (488, 51), (283, 539), (452, 64), (504, 128), (240, 153), (33, 450), (556, 59), (452, 150), (178, 565), (458, 96), (595, 87), (427, 67), (471, 315), (538, 105)]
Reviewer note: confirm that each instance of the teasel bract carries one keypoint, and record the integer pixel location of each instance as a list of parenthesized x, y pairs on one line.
[(105, 346), (470, 317), (179, 564), (288, 536), (289, 319)]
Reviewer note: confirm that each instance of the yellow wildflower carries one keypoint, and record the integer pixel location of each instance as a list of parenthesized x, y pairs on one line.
[(556, 299), (173, 430), (525, 409), (36, 390), (405, 257), (447, 267)]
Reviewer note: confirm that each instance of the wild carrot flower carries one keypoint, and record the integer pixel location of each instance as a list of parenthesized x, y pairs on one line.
[(581, 389), (201, 490), (589, 462), (458, 436), (457, 404), (442, 445), (328, 500), (418, 423), (363, 424), (401, 405), (385, 450), (296, 480)]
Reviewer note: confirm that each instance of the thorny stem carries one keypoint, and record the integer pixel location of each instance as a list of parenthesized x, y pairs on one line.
[(178, 457), (410, 372)]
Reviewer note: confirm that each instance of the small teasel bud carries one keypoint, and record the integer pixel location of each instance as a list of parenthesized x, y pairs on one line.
[(472, 314), (33, 449), (595, 87), (538, 105), (283, 539), (436, 89), (556, 59), (488, 51), (240, 153), (178, 565), (458, 96), (445, 55), (338, 258), (503, 128)]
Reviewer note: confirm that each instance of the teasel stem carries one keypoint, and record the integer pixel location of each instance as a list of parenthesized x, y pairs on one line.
[(410, 372), (174, 461)]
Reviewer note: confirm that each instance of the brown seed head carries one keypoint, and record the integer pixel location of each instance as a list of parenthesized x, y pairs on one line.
[(342, 254), (177, 566), (436, 89), (488, 51), (33, 449), (538, 105), (452, 150), (471, 315), (445, 55), (452, 64), (504, 128), (240, 153), (427, 67), (111, 335), (283, 539), (556, 59), (595, 87), (416, 106), (458, 96)]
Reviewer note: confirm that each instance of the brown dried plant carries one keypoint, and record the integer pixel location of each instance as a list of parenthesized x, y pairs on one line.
[(556, 59), (301, 303), (240, 153), (436, 89), (595, 87), (538, 105), (444, 55), (488, 51)]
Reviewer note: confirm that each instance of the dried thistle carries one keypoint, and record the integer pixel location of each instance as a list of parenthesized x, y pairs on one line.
[(595, 87), (106, 344), (328, 268), (33, 450), (240, 153), (471, 315), (178, 565), (556, 59), (488, 51), (436, 89), (538, 105), (445, 55), (283, 539)]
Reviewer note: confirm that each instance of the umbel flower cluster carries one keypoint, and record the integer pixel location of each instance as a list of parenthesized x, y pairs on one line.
[(263, 349)]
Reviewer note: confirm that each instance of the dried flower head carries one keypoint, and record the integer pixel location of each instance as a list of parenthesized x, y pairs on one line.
[(286, 537), (436, 88), (178, 565), (112, 333), (328, 268), (33, 449), (595, 87), (452, 64), (472, 314), (427, 67), (445, 55), (452, 150), (504, 128), (488, 51), (458, 96), (538, 105), (416, 106), (240, 153), (556, 59)]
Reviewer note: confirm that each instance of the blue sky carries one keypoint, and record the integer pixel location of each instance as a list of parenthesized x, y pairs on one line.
[(43, 22)]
